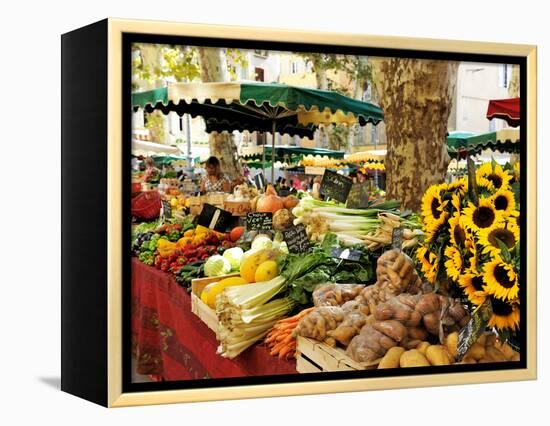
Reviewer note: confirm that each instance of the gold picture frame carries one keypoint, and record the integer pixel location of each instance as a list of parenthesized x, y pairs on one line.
[(115, 29)]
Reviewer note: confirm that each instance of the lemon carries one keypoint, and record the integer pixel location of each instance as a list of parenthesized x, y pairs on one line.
[(218, 288), (266, 271), (206, 290), (173, 202)]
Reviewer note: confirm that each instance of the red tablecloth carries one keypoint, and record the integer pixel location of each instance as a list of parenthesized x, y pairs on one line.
[(169, 341)]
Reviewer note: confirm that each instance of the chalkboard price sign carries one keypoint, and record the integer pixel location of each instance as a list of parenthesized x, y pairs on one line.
[(213, 217), (259, 180), (473, 329), (358, 197), (259, 221), (296, 239), (166, 209), (347, 254), (335, 186)]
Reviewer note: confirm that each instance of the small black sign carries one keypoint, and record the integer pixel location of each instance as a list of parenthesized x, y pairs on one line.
[(259, 180), (335, 186), (346, 254), (397, 238), (215, 218), (358, 197), (296, 239), (473, 329), (166, 209), (259, 221)]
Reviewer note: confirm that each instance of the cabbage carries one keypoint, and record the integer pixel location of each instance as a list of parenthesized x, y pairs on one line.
[(261, 241), (217, 265), (234, 256)]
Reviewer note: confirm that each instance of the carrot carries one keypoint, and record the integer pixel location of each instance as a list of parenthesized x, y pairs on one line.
[(284, 351)]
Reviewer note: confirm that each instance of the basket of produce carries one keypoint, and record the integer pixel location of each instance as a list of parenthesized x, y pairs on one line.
[(146, 205)]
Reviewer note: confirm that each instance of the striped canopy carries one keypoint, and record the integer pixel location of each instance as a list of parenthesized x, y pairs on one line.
[(262, 107), (506, 140), (257, 106)]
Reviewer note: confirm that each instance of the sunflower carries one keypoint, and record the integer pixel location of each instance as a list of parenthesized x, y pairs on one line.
[(453, 264), (501, 281), (485, 184), (434, 227), (458, 231), (504, 201), (499, 178), (432, 205), (482, 216), (505, 314), (456, 202), (472, 284), (458, 186), (507, 232), (428, 262), (472, 260)]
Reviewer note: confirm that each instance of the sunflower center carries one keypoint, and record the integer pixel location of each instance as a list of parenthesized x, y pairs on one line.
[(501, 202), (501, 275), (496, 180), (484, 217), (459, 235), (477, 282), (504, 235), (500, 307), (435, 208)]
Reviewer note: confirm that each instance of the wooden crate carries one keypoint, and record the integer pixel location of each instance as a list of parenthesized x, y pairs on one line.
[(201, 309), (238, 208), (314, 357)]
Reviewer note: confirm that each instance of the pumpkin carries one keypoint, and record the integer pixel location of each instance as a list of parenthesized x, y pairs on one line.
[(270, 201)]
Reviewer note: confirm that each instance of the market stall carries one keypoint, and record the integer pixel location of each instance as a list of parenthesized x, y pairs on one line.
[(505, 109), (506, 140), (263, 107)]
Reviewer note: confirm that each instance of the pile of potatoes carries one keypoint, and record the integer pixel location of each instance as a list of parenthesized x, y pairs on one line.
[(486, 349)]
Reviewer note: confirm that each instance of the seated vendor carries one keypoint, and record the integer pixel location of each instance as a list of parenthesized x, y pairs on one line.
[(214, 180)]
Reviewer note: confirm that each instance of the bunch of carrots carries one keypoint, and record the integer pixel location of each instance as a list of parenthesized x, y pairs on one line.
[(281, 339)]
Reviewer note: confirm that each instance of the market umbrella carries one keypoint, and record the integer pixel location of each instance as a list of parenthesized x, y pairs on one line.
[(264, 107), (506, 109), (506, 140)]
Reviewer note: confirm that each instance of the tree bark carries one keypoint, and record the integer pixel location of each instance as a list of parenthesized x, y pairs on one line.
[(222, 145), (416, 96)]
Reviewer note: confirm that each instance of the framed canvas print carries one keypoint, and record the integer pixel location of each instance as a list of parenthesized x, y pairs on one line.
[(253, 212)]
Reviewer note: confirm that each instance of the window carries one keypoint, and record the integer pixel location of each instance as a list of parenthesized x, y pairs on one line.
[(294, 66), (504, 75), (259, 74)]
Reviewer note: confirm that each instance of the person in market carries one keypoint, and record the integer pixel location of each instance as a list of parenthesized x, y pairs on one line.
[(214, 180), (361, 176), (152, 174)]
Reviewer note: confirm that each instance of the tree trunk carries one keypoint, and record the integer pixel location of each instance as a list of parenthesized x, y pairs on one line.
[(416, 96), (513, 87), (222, 145)]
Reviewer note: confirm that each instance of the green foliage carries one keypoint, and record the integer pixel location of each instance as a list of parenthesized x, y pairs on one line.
[(235, 58), (155, 124), (171, 61)]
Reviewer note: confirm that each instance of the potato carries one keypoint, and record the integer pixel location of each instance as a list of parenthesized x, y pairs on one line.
[(476, 351), (451, 342), (482, 339), (422, 347), (507, 350), (468, 360), (437, 355), (413, 358), (494, 354), (391, 359)]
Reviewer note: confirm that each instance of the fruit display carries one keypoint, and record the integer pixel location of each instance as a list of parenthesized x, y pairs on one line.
[(379, 286)]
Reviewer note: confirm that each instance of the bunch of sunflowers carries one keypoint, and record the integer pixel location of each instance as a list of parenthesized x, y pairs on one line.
[(473, 250)]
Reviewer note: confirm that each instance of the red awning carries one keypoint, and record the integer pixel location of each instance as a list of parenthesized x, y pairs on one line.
[(506, 109)]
